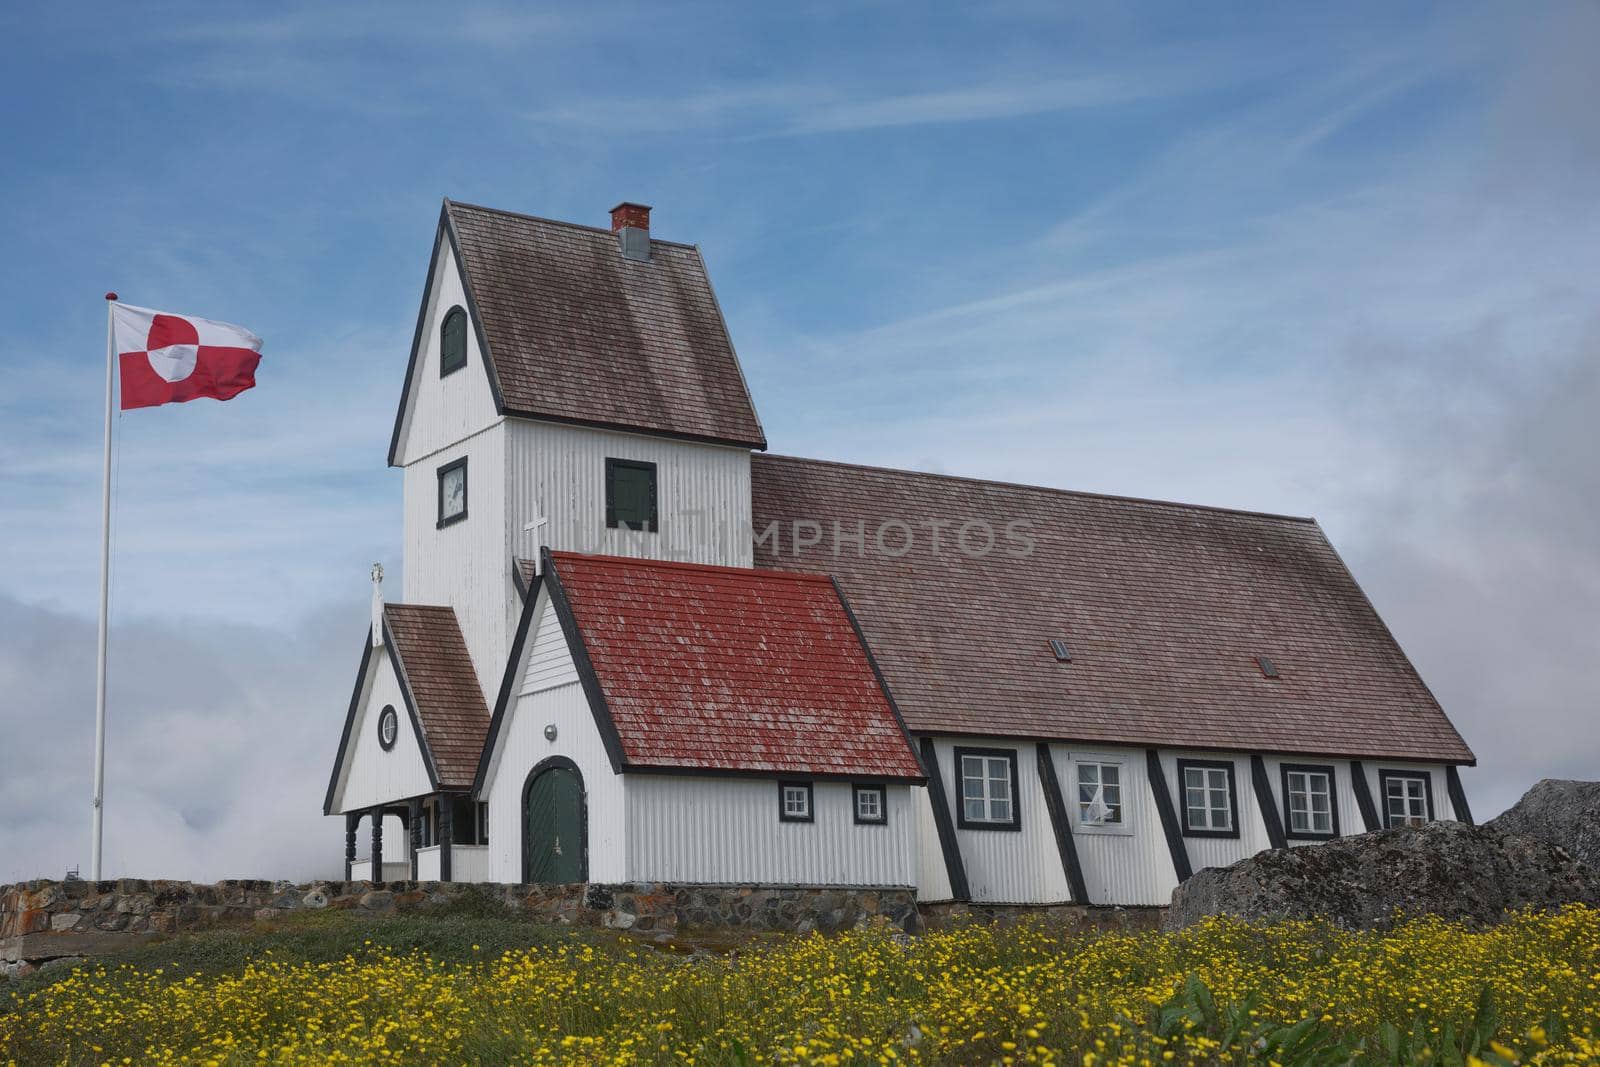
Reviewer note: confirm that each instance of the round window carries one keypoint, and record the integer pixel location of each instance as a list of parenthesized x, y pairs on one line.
[(388, 727)]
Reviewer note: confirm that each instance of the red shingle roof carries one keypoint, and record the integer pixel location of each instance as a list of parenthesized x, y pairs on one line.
[(724, 668), (1164, 608), (577, 332), (434, 663)]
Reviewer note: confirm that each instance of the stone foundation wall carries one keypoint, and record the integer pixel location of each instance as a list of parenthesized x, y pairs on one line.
[(45, 920)]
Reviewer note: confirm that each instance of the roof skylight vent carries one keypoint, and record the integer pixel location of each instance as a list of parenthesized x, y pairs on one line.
[(1059, 647), (1268, 668)]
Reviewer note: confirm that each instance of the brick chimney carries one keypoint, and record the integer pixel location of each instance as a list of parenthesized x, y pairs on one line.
[(631, 223)]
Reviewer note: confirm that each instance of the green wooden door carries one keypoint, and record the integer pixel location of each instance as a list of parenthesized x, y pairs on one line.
[(552, 827)]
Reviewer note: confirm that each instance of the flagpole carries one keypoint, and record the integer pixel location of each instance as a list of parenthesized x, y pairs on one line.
[(105, 604)]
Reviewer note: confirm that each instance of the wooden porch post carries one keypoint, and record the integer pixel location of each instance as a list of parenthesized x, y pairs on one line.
[(416, 834), (447, 834), (377, 845), (351, 820)]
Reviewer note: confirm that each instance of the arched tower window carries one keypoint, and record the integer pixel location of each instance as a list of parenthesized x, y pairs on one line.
[(453, 341)]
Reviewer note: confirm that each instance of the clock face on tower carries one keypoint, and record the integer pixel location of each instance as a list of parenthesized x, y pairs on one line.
[(452, 492)]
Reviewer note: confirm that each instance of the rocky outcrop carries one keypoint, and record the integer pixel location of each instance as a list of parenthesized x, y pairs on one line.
[(1562, 813), (1470, 873)]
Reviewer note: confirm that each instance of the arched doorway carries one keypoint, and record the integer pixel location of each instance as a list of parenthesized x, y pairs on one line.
[(555, 831)]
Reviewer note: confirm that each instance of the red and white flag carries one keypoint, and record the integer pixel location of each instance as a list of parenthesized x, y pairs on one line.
[(167, 359)]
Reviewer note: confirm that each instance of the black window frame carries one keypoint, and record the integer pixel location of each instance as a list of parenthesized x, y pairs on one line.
[(466, 490), (1289, 832), (1233, 796), (1386, 773), (856, 790), (445, 370), (962, 822), (387, 714), (612, 523), (811, 802)]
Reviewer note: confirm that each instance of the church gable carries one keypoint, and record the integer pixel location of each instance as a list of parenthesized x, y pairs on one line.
[(541, 662), (549, 662), (374, 768), (416, 721), (449, 391)]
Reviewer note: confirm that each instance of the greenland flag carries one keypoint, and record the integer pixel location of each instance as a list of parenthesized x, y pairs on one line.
[(167, 359)]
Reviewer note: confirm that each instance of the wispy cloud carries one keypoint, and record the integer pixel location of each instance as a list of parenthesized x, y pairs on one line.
[(690, 111), (315, 26), (994, 101), (798, 108)]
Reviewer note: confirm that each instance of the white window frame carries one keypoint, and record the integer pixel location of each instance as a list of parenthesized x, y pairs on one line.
[(1209, 769), (1306, 772), (880, 797), (805, 811), (1075, 764), (1424, 798), (987, 761)]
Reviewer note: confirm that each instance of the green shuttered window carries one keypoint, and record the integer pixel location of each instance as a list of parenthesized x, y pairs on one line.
[(453, 342), (631, 494)]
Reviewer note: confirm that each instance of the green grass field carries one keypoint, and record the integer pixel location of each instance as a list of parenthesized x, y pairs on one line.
[(470, 985)]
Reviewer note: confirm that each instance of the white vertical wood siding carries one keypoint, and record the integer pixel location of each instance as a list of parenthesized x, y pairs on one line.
[(361, 871), (727, 830), (1220, 851), (522, 746), (470, 863), (557, 472), (428, 865), (933, 877), (1133, 868), (466, 565), (1127, 868), (1442, 808), (444, 410), (549, 660), (369, 774), (1008, 866)]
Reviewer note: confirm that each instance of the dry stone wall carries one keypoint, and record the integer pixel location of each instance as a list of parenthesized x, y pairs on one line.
[(46, 920)]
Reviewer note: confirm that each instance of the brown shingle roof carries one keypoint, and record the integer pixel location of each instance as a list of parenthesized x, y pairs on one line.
[(1164, 608), (435, 666), (527, 572), (578, 333)]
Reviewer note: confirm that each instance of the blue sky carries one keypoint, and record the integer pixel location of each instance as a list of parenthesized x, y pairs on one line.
[(1334, 261)]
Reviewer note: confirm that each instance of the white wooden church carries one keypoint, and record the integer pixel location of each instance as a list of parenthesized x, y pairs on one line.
[(633, 646)]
